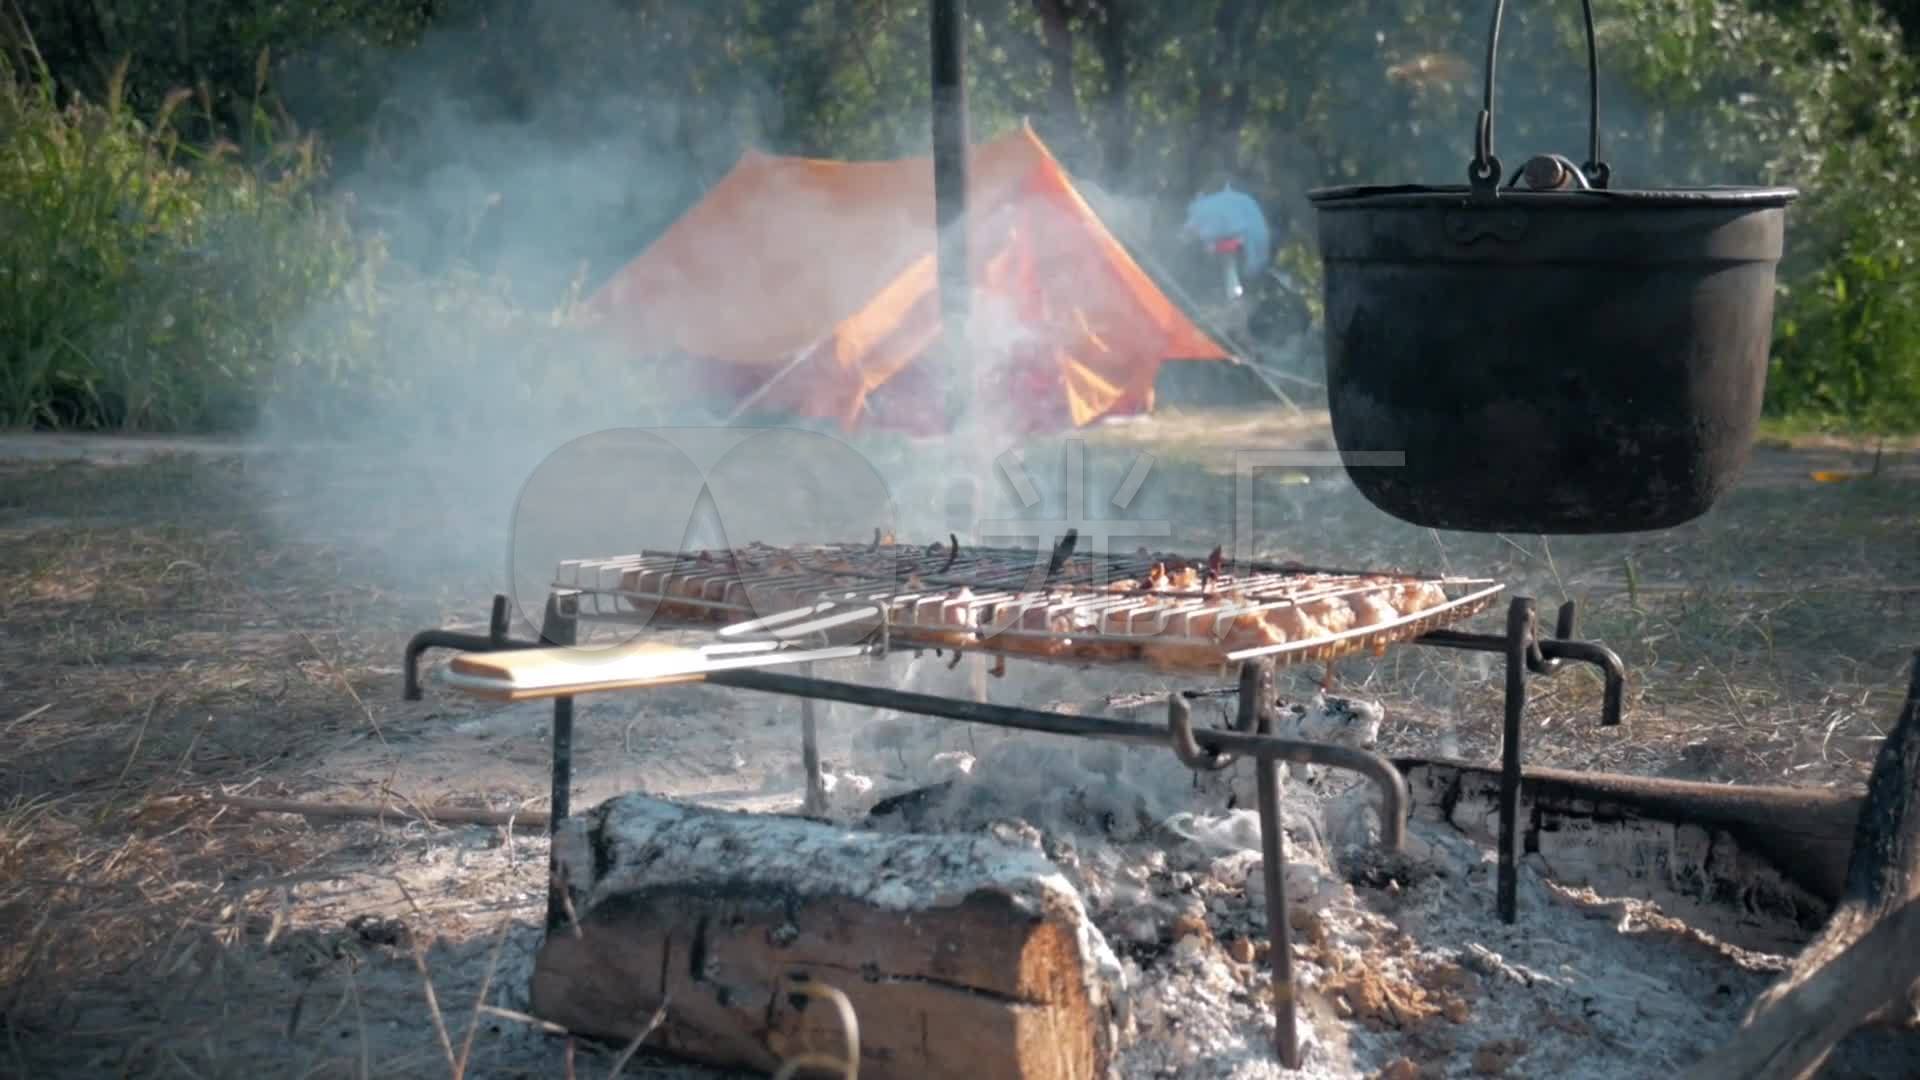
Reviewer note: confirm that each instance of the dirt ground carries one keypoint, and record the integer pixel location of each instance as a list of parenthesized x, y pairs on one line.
[(182, 625)]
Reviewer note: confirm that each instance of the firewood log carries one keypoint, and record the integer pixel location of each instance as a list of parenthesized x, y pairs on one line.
[(962, 956), (1776, 852)]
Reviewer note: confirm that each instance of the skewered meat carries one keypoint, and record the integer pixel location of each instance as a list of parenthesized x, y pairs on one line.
[(1159, 618), (1372, 609), (1294, 624), (1030, 631), (1414, 597), (1330, 612), (1245, 630), (957, 618)]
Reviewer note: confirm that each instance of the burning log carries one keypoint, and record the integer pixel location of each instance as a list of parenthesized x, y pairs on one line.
[(1776, 853), (1865, 965), (960, 955)]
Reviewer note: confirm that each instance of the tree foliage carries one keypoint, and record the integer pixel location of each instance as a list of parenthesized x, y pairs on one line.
[(537, 139)]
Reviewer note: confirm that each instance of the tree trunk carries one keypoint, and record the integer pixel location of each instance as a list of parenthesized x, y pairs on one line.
[(1865, 964), (1062, 125), (1237, 26), (1116, 118)]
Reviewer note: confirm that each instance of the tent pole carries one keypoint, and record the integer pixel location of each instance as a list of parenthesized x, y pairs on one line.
[(950, 141), (766, 387), (950, 144)]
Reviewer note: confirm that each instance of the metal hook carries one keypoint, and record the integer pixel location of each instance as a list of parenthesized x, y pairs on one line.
[(1185, 746), (809, 1058), (1484, 172)]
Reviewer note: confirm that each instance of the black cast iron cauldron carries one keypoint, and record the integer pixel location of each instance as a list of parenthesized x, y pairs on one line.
[(1559, 358)]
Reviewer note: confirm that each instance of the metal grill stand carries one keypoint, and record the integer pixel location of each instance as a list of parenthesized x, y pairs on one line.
[(1200, 748)]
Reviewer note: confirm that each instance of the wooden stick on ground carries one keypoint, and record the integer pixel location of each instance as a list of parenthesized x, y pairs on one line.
[(1866, 962), (521, 820)]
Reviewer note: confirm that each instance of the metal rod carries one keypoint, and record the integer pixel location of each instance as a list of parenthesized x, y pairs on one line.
[(1543, 656), (559, 625), (1210, 748), (950, 177), (1394, 795), (810, 751), (1603, 658), (496, 640), (1256, 689), (1520, 618), (1185, 746)]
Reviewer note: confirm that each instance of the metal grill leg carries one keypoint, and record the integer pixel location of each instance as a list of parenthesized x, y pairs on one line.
[(559, 626), (1257, 697), (816, 798), (1520, 623)]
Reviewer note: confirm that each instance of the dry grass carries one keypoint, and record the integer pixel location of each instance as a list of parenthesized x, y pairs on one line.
[(163, 633), (1765, 643), (159, 637)]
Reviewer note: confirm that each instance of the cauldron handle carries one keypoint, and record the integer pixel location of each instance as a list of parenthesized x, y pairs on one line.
[(1484, 173)]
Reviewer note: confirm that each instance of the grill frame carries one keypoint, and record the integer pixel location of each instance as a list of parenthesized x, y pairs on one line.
[(1526, 651), (1000, 605)]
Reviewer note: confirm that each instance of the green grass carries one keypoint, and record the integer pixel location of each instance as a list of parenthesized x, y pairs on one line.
[(1812, 428)]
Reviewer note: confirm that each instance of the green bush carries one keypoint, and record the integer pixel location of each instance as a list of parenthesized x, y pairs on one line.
[(1847, 353), (153, 285), (148, 283), (1834, 110)]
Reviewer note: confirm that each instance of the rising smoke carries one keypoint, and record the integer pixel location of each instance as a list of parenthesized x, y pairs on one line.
[(520, 173)]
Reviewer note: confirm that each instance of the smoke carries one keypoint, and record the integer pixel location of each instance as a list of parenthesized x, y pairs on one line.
[(511, 169), (481, 434)]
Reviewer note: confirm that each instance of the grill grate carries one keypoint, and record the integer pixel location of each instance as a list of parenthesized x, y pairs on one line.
[(1164, 611)]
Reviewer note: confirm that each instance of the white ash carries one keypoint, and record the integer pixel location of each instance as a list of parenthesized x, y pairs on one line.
[(1417, 978), (656, 843), (1344, 721), (950, 764), (843, 786), (512, 985)]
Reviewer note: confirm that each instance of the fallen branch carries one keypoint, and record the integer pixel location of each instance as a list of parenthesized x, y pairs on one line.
[(520, 820), (1802, 834), (1866, 962)]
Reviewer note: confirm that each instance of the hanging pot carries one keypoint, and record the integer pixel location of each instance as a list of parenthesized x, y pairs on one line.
[(1554, 358)]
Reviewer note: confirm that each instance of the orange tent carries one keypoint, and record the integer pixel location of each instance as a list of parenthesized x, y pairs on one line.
[(810, 287)]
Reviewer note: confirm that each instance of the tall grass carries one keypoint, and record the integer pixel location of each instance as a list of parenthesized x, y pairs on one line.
[(149, 284), (148, 281)]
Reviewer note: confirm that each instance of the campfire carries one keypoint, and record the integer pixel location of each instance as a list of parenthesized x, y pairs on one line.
[(1044, 911), (1116, 908)]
